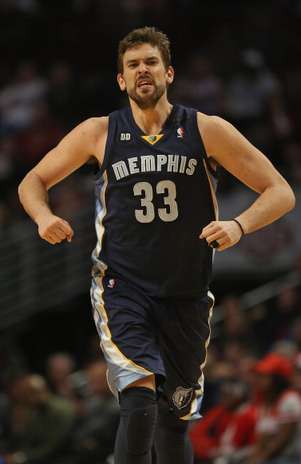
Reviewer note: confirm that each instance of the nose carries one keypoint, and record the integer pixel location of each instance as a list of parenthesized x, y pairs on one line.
[(142, 68)]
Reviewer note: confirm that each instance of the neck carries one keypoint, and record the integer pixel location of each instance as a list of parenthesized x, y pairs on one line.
[(151, 120)]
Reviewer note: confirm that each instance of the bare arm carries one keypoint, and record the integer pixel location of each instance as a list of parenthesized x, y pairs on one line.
[(229, 148), (74, 150)]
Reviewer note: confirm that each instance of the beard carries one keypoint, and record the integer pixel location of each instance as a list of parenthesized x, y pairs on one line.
[(148, 99)]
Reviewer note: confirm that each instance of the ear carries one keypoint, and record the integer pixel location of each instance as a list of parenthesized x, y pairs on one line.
[(170, 74), (121, 82)]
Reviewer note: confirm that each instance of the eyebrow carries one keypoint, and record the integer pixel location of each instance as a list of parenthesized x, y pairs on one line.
[(134, 60)]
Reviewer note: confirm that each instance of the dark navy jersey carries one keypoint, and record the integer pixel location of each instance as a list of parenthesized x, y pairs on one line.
[(154, 195)]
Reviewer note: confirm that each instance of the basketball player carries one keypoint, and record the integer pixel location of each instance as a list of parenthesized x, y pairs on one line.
[(157, 224)]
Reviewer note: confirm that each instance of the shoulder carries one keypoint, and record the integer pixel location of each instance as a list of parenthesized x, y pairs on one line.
[(290, 398), (289, 405), (95, 127), (214, 130), (92, 134), (211, 122), (89, 130)]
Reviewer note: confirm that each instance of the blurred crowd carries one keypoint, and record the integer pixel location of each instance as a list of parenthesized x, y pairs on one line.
[(63, 411), (64, 416), (253, 396)]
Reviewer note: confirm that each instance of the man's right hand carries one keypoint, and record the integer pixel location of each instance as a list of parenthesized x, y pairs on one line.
[(54, 229)]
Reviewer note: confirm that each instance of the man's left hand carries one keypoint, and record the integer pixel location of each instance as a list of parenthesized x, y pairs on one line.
[(225, 233)]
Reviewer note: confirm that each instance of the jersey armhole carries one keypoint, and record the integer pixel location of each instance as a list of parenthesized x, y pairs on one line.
[(110, 136), (212, 171)]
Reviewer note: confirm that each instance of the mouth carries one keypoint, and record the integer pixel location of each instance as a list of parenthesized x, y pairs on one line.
[(144, 83)]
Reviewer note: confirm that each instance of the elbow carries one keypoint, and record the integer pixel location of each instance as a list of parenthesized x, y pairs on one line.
[(21, 187), (290, 199), (23, 184), (20, 190), (286, 200)]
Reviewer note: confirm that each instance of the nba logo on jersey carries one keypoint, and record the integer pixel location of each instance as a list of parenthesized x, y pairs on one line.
[(111, 284), (180, 132), (125, 136)]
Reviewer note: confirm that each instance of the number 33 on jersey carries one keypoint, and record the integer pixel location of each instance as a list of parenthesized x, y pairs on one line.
[(167, 214)]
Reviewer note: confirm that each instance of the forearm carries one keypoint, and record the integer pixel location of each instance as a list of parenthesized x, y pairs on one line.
[(33, 196), (273, 203)]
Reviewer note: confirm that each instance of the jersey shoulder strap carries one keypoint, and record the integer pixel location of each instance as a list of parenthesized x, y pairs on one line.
[(191, 116), (111, 136)]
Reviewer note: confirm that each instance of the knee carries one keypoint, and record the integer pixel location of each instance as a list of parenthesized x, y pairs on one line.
[(138, 408)]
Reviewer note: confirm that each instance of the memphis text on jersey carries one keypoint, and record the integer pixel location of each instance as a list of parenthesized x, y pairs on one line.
[(150, 163)]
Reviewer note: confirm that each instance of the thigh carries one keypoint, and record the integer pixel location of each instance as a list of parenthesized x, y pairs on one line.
[(184, 339), (126, 331)]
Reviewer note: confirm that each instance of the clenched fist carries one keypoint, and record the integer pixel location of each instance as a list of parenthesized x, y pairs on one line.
[(54, 229), (225, 234)]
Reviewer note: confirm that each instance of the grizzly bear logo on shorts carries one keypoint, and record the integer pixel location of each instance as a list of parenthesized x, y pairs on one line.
[(182, 397)]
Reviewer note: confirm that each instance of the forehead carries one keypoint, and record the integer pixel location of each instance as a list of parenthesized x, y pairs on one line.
[(141, 52)]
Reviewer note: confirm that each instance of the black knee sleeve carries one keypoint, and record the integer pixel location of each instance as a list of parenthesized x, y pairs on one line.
[(168, 420), (174, 424), (172, 442), (138, 410)]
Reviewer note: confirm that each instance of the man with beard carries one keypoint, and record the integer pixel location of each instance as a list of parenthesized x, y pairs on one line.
[(156, 224)]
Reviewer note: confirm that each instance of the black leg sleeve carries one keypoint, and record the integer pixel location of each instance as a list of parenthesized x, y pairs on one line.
[(172, 443), (135, 436)]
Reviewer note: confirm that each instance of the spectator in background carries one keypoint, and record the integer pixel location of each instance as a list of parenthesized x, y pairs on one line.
[(19, 99), (278, 426), (200, 87), (237, 327), (62, 95), (59, 369), (253, 100), (44, 132), (286, 348), (40, 425), (12, 412), (94, 439), (239, 436), (206, 434), (64, 381), (226, 361)]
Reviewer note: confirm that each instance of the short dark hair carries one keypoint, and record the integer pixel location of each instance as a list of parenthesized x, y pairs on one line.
[(149, 35)]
